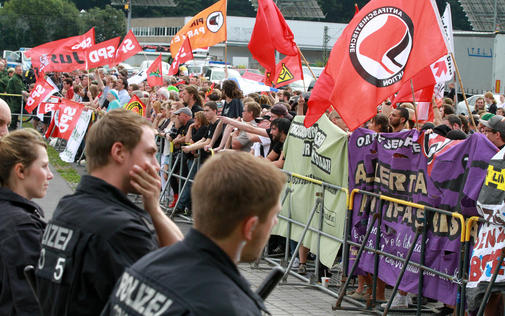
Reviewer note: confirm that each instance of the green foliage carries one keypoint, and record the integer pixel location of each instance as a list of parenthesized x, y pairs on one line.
[(33, 22), (108, 22)]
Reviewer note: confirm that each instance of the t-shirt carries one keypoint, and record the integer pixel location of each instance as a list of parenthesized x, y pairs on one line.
[(275, 146), (196, 108), (244, 140), (233, 109), (210, 133)]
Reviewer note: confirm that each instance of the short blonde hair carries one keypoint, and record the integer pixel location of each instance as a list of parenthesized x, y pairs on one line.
[(231, 187)]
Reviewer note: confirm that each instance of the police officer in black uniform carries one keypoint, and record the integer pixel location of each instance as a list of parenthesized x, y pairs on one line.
[(97, 231), (235, 205)]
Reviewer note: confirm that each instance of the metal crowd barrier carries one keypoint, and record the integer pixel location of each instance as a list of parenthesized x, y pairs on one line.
[(461, 278), (178, 160), (20, 122)]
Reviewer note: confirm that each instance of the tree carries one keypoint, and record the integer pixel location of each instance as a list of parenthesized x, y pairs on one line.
[(108, 22), (30, 23)]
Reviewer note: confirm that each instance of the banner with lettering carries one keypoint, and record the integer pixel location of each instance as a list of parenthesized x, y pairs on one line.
[(103, 53), (69, 114), (40, 93), (128, 48), (491, 237), (425, 169), (66, 54), (75, 140), (318, 152)]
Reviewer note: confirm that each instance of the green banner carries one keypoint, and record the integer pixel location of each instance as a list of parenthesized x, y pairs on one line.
[(318, 152)]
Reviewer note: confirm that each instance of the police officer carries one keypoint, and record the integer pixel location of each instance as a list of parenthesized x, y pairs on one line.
[(235, 205), (97, 231)]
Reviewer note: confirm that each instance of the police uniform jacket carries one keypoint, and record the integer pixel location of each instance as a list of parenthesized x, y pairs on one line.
[(21, 228), (192, 277), (94, 234)]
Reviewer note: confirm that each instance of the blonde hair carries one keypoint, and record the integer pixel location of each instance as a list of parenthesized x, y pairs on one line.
[(252, 185), (18, 147)]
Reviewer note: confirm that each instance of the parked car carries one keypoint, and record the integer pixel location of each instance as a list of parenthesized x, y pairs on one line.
[(461, 106)]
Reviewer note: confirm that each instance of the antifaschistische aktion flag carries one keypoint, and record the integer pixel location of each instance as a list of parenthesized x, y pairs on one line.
[(154, 73), (385, 44), (205, 29)]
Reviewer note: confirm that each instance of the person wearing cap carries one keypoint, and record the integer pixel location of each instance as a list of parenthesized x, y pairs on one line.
[(113, 98), (280, 110), (494, 129), (184, 116), (485, 117)]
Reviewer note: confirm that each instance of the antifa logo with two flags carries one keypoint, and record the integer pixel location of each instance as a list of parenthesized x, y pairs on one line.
[(135, 105)]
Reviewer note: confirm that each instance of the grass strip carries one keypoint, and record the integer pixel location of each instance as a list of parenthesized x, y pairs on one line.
[(65, 169)]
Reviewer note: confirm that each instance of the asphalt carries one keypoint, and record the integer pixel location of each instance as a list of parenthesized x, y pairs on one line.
[(290, 297)]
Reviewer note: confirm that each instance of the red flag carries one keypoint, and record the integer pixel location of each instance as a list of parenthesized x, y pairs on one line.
[(356, 9), (69, 114), (155, 73), (52, 104), (102, 53), (136, 106), (183, 55), (253, 76), (383, 46), (288, 70), (423, 101), (40, 93), (270, 33), (66, 54), (129, 47)]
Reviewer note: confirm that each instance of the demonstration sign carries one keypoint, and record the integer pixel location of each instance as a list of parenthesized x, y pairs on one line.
[(428, 170), (318, 152)]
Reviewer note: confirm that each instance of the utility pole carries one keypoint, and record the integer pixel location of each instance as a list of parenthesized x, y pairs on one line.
[(326, 39), (128, 7)]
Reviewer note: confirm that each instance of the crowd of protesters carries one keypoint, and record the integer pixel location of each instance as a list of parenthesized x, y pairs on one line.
[(192, 118)]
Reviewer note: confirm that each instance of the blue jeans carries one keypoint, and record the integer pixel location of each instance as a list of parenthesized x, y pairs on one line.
[(185, 197)]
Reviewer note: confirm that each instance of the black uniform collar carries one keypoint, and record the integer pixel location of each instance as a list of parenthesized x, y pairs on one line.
[(7, 194), (198, 241), (99, 188)]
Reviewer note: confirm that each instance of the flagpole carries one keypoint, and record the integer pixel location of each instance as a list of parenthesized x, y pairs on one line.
[(306, 62), (226, 44), (463, 90), (414, 101)]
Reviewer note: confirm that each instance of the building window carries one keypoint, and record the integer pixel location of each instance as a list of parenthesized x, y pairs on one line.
[(155, 31)]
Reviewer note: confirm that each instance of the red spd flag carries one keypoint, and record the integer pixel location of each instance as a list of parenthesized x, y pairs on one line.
[(384, 45), (66, 54), (154, 73), (69, 114), (270, 33), (129, 47), (135, 105), (103, 53), (183, 55), (288, 70), (52, 104), (40, 93)]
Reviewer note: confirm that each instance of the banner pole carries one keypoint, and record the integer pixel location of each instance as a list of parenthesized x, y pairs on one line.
[(463, 91), (306, 62), (226, 44), (414, 102)]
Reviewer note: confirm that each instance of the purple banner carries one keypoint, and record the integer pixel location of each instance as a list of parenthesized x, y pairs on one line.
[(425, 169)]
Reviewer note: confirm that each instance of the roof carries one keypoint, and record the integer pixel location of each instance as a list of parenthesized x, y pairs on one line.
[(481, 14)]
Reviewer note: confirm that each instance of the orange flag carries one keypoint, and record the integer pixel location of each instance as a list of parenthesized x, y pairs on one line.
[(205, 29)]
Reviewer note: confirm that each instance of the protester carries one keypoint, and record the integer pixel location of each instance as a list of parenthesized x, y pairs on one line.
[(5, 118), (192, 99), (101, 231), (113, 99), (495, 130), (490, 102), (24, 175), (236, 200), (399, 119)]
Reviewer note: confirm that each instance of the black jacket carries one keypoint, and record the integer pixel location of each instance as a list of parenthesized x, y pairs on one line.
[(94, 234), (21, 228), (192, 277)]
